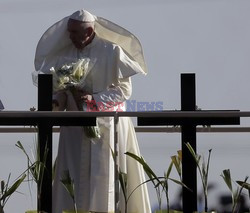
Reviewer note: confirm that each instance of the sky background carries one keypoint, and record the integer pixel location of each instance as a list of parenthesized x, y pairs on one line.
[(208, 37)]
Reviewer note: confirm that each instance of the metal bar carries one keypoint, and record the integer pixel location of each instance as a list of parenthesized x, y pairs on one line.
[(33, 118), (143, 129), (189, 173), (54, 114), (163, 114), (187, 114), (198, 129), (160, 121)]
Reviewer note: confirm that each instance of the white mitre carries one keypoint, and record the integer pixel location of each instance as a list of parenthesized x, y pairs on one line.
[(56, 39)]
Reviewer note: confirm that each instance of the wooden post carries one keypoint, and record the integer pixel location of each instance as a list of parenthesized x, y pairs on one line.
[(116, 164), (189, 171), (44, 202)]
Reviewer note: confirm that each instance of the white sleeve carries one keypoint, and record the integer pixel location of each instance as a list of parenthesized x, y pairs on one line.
[(115, 94), (126, 66)]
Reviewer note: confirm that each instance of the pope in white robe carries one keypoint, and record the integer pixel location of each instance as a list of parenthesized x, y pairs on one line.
[(115, 55)]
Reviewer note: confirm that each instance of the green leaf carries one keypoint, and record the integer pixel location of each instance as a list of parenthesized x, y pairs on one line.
[(195, 156), (227, 178), (165, 185), (54, 169), (179, 183), (179, 153), (198, 158), (244, 184), (2, 186), (14, 187), (113, 153), (161, 182), (20, 146), (123, 182), (146, 167), (176, 164), (147, 181), (203, 169), (236, 196), (169, 170), (68, 183)]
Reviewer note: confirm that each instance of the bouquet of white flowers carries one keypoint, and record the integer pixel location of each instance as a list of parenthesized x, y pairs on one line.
[(71, 77)]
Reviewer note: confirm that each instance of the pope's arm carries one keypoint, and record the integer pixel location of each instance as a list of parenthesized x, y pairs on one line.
[(115, 94)]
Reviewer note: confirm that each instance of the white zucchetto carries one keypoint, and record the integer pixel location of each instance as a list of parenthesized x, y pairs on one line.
[(82, 15)]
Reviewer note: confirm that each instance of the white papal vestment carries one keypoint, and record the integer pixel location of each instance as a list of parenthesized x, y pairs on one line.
[(90, 161)]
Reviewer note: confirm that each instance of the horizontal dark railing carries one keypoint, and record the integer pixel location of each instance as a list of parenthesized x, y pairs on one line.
[(172, 129)]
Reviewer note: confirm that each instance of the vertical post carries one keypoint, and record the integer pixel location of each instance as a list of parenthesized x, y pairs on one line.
[(116, 164), (44, 198), (188, 103)]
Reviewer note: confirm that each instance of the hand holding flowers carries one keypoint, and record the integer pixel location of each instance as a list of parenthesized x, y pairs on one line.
[(72, 77)]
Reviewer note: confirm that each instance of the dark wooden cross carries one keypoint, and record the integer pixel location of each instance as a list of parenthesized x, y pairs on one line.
[(45, 124), (188, 132)]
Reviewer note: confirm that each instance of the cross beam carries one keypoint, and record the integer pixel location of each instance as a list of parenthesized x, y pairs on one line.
[(188, 131), (18, 118)]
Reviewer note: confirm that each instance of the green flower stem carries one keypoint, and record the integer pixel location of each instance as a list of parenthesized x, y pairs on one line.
[(203, 171)]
